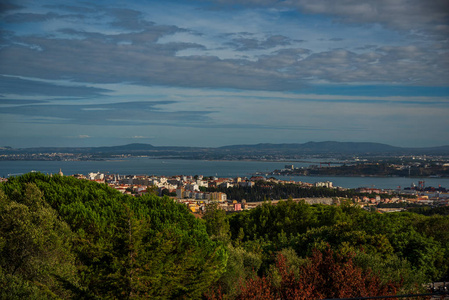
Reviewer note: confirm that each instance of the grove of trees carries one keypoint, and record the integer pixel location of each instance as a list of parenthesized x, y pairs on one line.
[(263, 190), (64, 238)]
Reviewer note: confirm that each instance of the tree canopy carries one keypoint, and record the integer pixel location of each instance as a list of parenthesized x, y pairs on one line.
[(65, 238)]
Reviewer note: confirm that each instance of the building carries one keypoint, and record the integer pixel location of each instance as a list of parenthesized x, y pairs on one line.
[(180, 193), (327, 184), (217, 196), (95, 176)]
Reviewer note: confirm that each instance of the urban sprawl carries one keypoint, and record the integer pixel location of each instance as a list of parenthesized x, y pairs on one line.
[(192, 191)]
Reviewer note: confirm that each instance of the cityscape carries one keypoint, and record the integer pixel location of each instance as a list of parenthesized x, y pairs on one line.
[(197, 191)]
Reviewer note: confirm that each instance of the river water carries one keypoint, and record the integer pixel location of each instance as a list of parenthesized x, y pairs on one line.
[(169, 167)]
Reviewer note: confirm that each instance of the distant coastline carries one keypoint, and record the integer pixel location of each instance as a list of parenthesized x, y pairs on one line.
[(271, 152), (227, 169)]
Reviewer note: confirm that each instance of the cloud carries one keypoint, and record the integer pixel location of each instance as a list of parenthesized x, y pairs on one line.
[(31, 17), (129, 19), (412, 16), (411, 65), (336, 39), (74, 8), (125, 113), (131, 51), (8, 5), (22, 86), (103, 58), (20, 102), (245, 43)]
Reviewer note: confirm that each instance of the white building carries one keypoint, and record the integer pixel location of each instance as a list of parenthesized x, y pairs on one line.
[(192, 187), (95, 176), (327, 184)]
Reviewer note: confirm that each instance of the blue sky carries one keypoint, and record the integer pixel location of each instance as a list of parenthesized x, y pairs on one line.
[(214, 73)]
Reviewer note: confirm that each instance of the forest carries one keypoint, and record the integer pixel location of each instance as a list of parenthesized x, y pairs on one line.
[(265, 190), (64, 238)]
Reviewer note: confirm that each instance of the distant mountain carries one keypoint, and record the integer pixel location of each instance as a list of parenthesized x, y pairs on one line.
[(242, 151), (129, 147), (441, 150), (319, 148), (123, 149)]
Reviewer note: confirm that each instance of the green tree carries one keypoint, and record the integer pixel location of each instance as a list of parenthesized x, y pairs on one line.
[(34, 247), (119, 247), (217, 224)]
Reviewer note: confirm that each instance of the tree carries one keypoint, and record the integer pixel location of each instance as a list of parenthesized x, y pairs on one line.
[(217, 225), (153, 190), (331, 275), (63, 236), (327, 275), (35, 246)]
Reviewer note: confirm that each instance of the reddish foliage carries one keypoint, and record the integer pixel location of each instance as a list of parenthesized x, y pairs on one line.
[(331, 275), (328, 275), (290, 287), (256, 288), (214, 294)]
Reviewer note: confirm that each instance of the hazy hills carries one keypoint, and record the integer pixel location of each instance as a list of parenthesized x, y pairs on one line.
[(331, 147), (241, 151)]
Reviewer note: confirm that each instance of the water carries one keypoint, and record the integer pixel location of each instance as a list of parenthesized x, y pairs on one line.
[(169, 167), (144, 166)]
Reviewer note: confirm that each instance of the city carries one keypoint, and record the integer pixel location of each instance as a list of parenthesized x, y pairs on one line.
[(196, 191)]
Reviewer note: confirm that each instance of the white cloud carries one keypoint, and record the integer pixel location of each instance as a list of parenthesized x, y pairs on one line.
[(414, 16)]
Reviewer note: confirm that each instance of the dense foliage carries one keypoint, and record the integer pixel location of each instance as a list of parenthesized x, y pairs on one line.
[(326, 275), (263, 190), (405, 250), (429, 211), (67, 238), (63, 238)]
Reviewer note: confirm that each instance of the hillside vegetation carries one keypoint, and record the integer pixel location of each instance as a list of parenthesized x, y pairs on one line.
[(63, 238), (66, 238)]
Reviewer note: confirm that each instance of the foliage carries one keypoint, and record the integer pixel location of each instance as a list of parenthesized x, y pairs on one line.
[(67, 238), (393, 268), (326, 275), (417, 243), (262, 191), (428, 211), (217, 224), (34, 246)]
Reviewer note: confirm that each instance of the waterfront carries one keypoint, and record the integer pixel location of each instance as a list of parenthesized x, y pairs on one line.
[(170, 167), (144, 166)]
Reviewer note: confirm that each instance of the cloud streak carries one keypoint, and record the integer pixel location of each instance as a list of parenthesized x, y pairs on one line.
[(15, 85)]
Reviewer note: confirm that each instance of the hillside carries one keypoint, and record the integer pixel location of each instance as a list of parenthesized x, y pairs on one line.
[(239, 151), (64, 238)]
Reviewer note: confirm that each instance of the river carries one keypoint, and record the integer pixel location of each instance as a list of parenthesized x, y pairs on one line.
[(169, 167)]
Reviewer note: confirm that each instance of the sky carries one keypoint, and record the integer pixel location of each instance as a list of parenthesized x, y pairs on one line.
[(213, 73)]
